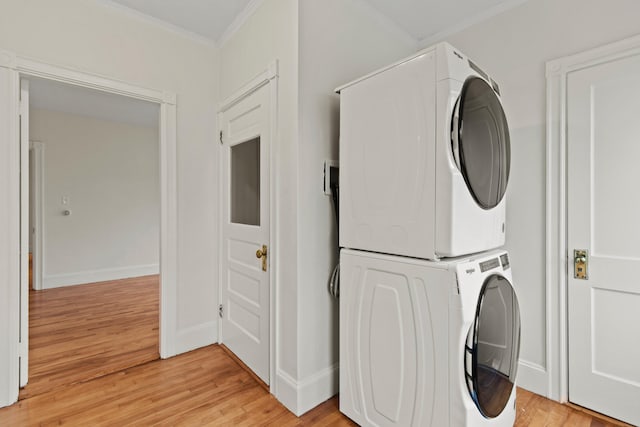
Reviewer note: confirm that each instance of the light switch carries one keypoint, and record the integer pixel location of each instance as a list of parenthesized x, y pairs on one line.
[(65, 200)]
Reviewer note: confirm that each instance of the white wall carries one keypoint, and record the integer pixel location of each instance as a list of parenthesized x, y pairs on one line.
[(340, 40), (514, 47), (109, 173), (271, 33), (312, 62), (96, 38)]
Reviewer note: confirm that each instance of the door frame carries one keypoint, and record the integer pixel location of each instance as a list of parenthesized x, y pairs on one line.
[(267, 77), (557, 257), (22, 67), (38, 150)]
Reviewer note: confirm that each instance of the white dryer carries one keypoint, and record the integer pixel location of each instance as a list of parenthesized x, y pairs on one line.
[(424, 158), (426, 343)]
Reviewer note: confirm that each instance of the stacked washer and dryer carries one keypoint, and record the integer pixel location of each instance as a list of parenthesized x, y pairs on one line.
[(429, 320)]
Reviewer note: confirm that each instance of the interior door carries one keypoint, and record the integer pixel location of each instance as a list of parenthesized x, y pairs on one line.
[(24, 233), (246, 250), (603, 139)]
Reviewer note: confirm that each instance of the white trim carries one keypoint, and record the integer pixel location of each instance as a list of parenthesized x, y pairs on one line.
[(168, 230), (196, 336), (268, 76), (287, 390), (38, 149), (239, 21), (256, 83), (167, 26), (219, 225), (31, 67), (302, 396), (101, 275), (469, 22), (532, 376), (556, 215), (24, 232), (21, 67), (274, 315)]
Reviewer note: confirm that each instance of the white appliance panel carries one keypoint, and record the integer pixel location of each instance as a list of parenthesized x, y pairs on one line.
[(401, 190), (403, 329), (386, 127)]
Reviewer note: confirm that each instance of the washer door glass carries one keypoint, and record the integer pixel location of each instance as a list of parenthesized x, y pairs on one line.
[(480, 142), (493, 346)]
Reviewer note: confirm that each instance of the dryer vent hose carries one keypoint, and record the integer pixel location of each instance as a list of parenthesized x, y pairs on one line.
[(334, 282)]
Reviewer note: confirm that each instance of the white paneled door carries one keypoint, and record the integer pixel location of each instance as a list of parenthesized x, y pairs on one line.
[(603, 139), (244, 309)]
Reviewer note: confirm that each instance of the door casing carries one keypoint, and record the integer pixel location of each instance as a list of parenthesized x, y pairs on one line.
[(37, 149), (557, 257), (20, 67), (268, 77)]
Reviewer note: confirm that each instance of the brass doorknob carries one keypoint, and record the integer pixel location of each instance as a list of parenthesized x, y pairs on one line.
[(262, 253)]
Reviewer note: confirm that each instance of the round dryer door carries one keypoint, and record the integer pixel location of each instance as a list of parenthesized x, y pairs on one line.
[(480, 142), (493, 346)]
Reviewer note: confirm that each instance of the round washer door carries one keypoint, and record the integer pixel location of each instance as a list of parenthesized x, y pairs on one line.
[(480, 142), (493, 346)]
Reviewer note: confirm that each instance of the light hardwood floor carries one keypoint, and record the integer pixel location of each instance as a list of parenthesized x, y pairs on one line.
[(202, 387), (77, 333)]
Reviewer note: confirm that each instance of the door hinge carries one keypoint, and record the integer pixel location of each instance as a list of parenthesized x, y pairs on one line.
[(221, 140), (221, 311)]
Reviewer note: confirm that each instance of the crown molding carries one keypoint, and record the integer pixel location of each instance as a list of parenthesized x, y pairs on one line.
[(190, 35), (466, 23), (239, 21)]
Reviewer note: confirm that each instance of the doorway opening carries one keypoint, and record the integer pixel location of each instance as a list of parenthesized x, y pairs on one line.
[(165, 107), (94, 210)]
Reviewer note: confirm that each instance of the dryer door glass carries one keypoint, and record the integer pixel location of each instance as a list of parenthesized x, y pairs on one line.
[(493, 346), (481, 144)]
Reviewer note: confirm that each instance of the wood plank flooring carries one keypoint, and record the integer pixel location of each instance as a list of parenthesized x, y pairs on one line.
[(77, 333), (202, 387)]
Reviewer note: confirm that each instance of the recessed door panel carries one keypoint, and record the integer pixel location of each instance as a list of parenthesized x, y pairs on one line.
[(616, 314)]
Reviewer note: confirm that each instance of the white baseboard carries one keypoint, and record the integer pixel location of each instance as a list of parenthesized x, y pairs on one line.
[(302, 396), (91, 276), (196, 337), (533, 377)]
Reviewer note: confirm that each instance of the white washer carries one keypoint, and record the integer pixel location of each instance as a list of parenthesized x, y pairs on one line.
[(424, 158), (426, 343)]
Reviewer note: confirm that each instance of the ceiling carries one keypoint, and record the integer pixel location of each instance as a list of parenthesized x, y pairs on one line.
[(422, 19), (206, 18), (50, 95)]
